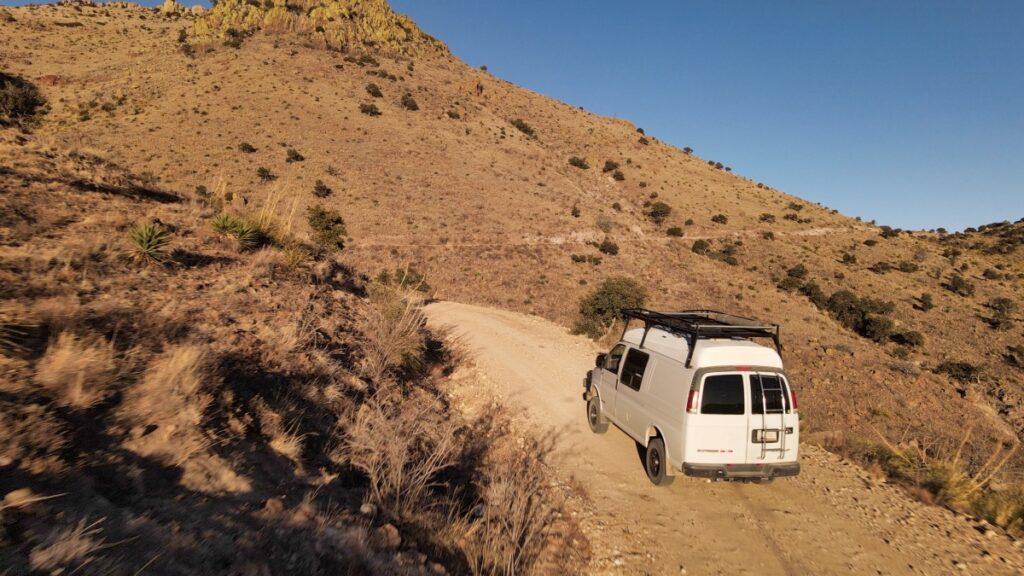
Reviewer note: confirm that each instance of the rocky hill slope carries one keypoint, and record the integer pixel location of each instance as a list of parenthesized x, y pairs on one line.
[(903, 345)]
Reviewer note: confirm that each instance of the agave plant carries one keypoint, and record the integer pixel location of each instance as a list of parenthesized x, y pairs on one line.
[(148, 242)]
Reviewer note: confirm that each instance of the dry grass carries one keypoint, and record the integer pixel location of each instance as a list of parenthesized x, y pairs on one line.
[(392, 326), (402, 448), (68, 550), (77, 371)]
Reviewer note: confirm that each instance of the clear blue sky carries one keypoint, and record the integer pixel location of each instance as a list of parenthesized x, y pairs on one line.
[(909, 112)]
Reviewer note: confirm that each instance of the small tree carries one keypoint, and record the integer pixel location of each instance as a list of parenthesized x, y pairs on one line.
[(328, 227), (659, 212), (600, 309)]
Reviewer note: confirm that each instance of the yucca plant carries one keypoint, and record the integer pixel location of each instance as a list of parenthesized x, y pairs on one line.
[(224, 223), (148, 242)]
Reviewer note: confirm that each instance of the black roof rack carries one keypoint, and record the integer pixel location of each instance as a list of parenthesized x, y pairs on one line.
[(697, 324)]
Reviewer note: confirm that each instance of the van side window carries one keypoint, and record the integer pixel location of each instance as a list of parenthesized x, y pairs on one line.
[(722, 395), (772, 396), (633, 369), (611, 363)]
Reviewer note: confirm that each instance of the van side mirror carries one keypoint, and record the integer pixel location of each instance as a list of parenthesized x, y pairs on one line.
[(599, 362)]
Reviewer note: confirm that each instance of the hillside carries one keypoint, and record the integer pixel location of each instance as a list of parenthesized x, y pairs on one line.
[(467, 178)]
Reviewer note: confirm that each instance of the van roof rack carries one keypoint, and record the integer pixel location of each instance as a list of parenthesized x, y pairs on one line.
[(697, 324)]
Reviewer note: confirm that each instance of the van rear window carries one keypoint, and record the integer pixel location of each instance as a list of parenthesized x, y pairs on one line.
[(772, 397), (722, 395)]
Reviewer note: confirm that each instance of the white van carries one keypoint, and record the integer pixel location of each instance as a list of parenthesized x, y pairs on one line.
[(699, 396)]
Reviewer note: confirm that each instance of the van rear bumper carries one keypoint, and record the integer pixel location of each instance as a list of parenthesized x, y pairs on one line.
[(742, 470)]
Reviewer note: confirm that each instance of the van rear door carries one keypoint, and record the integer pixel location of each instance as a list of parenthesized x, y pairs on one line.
[(771, 425), (717, 434)]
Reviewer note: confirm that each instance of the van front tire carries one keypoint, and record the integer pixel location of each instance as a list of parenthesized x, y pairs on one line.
[(595, 419), (656, 463)]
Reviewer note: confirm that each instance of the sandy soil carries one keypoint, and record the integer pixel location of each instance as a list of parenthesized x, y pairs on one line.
[(834, 518)]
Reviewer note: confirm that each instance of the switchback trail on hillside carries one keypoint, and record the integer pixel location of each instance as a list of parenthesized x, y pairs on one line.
[(835, 518)]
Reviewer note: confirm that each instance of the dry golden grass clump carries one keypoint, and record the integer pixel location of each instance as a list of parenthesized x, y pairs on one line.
[(336, 24), (77, 371)]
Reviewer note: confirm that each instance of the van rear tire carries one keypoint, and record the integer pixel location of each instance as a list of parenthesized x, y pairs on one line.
[(656, 463), (595, 419)]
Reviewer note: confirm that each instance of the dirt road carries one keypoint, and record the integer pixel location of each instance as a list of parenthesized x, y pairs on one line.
[(832, 519)]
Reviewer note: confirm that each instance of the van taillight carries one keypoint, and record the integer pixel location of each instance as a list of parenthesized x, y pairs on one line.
[(792, 399), (691, 402)]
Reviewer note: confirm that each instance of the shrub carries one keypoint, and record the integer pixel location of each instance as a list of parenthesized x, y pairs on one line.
[(409, 103), (246, 148), (603, 306), (910, 338), (702, 247), (374, 90), (1015, 356), (321, 190), (889, 232), (405, 278), (618, 176), (370, 109), (659, 212), (328, 227), (790, 283), (959, 285), (292, 155), (20, 101), (1002, 312), (768, 235), (608, 247), (795, 206), (264, 174), (870, 242), (798, 271), (454, 114), (248, 235), (616, 206), (877, 328), (990, 274), (610, 165), (880, 267), (814, 293), (148, 242), (689, 222), (861, 314), (925, 302), (575, 212), (675, 232), (849, 259), (720, 219), (523, 127), (766, 217), (960, 371), (579, 163), (908, 267), (644, 141)]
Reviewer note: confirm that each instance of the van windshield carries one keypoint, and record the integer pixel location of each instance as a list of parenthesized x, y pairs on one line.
[(722, 395)]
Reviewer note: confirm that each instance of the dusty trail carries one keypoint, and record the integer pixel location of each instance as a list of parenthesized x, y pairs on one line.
[(832, 519)]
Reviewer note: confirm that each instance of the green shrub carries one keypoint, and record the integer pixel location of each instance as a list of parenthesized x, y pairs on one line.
[(960, 371), (675, 232), (618, 176), (370, 109), (889, 232), (148, 242), (877, 328), (865, 316), (849, 259), (579, 163), (610, 165), (321, 190), (959, 285), (790, 283), (702, 247), (246, 148), (911, 338), (798, 271), (1002, 312), (409, 103), (814, 293), (925, 302), (374, 90), (328, 227), (880, 267), (720, 219), (689, 222), (603, 306), (870, 242), (264, 174), (659, 212), (292, 155), (523, 127), (608, 247), (766, 217), (20, 101)]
